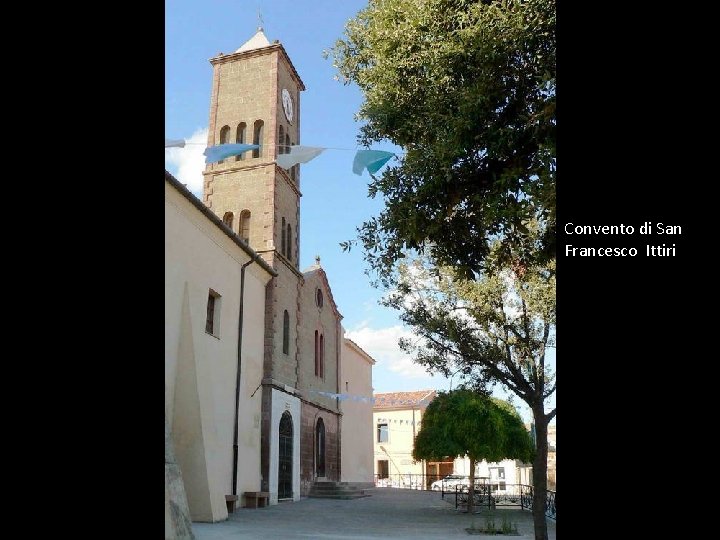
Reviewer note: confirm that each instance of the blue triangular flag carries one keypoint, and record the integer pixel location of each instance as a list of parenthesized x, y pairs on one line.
[(371, 160), (222, 151)]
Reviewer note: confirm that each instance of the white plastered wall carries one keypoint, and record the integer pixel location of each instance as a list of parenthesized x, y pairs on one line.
[(357, 415), (200, 369)]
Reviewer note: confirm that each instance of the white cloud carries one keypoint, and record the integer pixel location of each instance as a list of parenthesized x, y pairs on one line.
[(187, 164), (382, 345)]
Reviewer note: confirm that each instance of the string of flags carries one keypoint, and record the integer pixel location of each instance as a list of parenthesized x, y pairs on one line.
[(343, 397), (372, 160), (172, 143), (367, 399), (399, 421)]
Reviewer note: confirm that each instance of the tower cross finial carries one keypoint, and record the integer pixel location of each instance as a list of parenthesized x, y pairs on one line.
[(260, 19)]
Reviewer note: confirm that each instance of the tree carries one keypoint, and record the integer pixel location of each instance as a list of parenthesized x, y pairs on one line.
[(466, 423), (493, 329), (467, 89)]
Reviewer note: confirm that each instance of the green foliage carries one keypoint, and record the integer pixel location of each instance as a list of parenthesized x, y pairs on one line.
[(467, 88), (495, 328), (507, 527), (492, 329), (467, 423)]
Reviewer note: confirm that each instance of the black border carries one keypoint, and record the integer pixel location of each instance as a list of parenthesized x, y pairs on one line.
[(632, 147)]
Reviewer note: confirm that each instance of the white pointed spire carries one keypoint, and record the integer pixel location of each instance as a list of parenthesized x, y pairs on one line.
[(258, 41)]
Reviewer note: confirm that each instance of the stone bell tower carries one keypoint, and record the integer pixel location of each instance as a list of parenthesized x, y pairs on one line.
[(255, 99)]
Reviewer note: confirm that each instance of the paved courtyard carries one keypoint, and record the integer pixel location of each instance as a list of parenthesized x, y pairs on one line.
[(387, 513)]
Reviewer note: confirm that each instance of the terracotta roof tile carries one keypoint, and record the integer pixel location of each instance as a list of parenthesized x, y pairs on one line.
[(394, 400)]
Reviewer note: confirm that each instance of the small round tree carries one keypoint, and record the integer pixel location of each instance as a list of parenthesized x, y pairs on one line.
[(466, 423)]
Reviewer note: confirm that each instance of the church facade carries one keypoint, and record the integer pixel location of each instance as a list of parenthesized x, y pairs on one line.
[(258, 373), (255, 99)]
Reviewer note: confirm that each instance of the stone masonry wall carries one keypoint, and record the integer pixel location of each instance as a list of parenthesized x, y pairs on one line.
[(325, 321), (310, 415)]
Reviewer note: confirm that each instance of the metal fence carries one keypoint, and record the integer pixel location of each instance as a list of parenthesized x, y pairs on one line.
[(488, 493), (410, 481), (549, 501), (433, 482), (492, 496)]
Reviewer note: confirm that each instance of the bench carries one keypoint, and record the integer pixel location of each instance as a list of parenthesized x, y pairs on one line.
[(255, 499), (230, 502)]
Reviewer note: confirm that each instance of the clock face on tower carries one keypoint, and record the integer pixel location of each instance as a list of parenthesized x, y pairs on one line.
[(287, 105)]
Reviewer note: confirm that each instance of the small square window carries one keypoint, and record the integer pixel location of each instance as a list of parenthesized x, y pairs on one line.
[(382, 433), (212, 320)]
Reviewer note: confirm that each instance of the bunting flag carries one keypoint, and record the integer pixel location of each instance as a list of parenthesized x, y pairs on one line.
[(370, 399), (170, 143), (343, 397), (298, 154), (371, 160), (222, 151)]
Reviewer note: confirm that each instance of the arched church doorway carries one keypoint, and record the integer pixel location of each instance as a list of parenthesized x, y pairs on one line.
[(320, 448), (285, 467)]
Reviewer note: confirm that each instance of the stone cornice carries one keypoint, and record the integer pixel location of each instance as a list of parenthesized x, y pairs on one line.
[(226, 58), (279, 171)]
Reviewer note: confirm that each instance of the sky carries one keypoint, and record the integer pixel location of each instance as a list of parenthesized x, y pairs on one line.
[(334, 200)]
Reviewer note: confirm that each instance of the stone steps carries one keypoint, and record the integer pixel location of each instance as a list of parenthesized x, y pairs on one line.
[(336, 490)]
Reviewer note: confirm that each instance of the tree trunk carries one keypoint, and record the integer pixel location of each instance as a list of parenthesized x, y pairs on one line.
[(540, 473), (471, 489)]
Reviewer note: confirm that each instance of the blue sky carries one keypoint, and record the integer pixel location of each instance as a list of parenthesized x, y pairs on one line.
[(334, 200)]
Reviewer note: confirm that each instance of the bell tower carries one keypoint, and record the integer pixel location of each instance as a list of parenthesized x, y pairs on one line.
[(255, 99)]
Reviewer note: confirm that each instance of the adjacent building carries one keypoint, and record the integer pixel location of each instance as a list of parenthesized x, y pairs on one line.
[(357, 415), (503, 475), (397, 417)]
